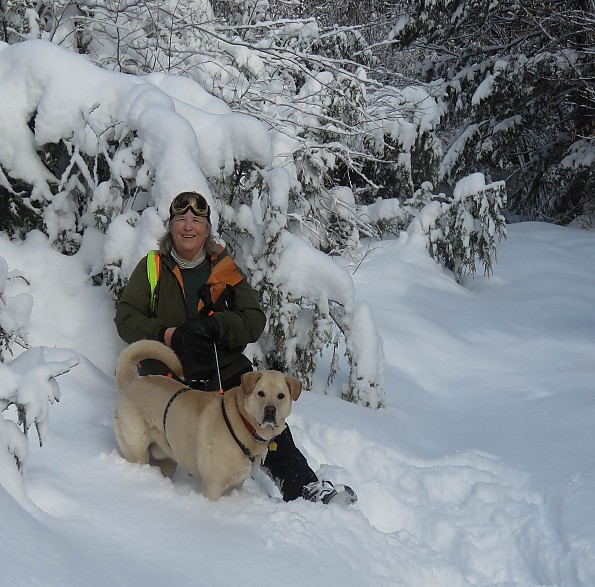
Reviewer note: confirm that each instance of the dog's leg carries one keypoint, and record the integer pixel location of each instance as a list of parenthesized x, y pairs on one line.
[(134, 454), (134, 447), (212, 491), (167, 466)]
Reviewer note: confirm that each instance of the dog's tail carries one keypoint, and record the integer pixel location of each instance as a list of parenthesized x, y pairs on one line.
[(127, 369)]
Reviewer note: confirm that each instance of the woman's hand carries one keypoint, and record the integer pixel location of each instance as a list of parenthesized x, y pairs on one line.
[(196, 339), (204, 326), (167, 335)]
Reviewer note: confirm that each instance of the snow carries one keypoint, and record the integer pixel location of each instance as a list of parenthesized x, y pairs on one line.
[(471, 184), (290, 271), (478, 470), (406, 132)]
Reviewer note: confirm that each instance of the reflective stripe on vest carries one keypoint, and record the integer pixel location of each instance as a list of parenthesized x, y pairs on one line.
[(153, 268)]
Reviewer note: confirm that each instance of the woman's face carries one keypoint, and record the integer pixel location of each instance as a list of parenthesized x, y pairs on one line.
[(189, 234)]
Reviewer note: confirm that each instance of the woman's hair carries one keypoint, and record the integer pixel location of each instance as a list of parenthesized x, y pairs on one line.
[(166, 243)]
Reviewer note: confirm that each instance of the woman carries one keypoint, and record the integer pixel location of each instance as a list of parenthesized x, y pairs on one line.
[(192, 297)]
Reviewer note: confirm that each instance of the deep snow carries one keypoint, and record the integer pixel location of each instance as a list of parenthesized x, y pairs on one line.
[(479, 470)]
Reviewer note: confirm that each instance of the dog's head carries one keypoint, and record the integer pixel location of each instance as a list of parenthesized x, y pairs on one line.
[(269, 395)]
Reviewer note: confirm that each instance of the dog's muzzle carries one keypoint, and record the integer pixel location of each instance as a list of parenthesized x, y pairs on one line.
[(270, 415)]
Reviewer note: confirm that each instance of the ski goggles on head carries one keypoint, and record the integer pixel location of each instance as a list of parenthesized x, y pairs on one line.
[(192, 201)]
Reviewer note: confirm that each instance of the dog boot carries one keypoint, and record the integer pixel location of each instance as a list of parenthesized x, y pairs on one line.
[(327, 493)]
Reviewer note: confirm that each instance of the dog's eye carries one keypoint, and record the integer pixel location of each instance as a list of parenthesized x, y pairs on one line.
[(261, 393), (281, 396)]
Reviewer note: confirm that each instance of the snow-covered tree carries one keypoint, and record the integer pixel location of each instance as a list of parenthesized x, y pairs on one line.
[(313, 84), (27, 388), (283, 132), (27, 383), (463, 230), (19, 20), (15, 312), (519, 100), (124, 132), (309, 298)]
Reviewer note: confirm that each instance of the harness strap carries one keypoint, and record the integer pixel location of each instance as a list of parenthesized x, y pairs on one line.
[(170, 402), (244, 449)]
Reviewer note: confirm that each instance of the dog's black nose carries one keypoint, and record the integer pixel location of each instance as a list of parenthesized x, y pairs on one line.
[(270, 412)]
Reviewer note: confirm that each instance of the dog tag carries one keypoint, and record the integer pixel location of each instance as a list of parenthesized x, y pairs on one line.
[(272, 446)]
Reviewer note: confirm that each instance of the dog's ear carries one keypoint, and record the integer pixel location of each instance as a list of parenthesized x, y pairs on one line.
[(249, 380), (295, 386)]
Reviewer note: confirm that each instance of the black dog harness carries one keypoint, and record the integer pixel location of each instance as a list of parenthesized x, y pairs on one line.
[(170, 402), (250, 428)]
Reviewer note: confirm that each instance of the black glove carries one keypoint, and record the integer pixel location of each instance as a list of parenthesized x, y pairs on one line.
[(187, 344), (227, 299), (180, 342), (203, 326)]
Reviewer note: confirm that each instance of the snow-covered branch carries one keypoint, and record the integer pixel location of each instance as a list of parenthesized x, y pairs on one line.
[(27, 387)]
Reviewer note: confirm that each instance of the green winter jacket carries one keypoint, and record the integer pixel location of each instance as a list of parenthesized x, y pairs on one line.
[(239, 325)]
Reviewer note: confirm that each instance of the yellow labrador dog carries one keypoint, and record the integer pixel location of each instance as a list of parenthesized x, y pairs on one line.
[(216, 438)]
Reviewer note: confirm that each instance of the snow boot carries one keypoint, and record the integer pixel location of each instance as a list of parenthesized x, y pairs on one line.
[(328, 493)]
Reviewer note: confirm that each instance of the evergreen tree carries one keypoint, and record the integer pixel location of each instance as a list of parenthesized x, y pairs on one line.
[(517, 81), (343, 151), (19, 20)]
